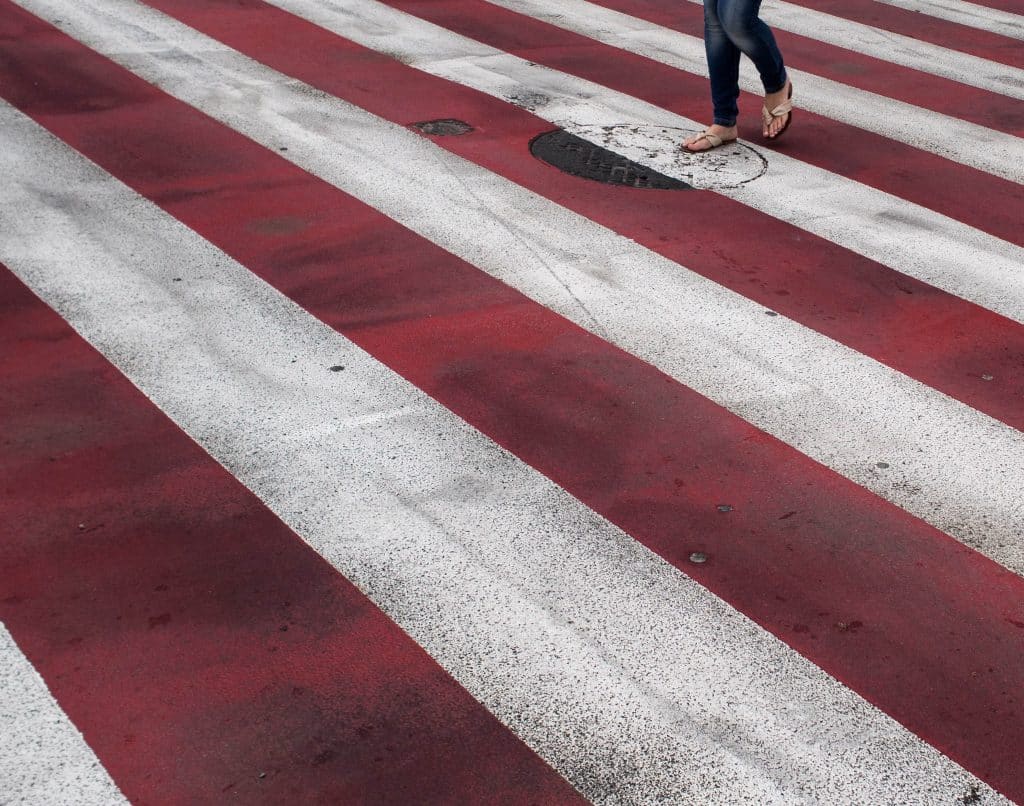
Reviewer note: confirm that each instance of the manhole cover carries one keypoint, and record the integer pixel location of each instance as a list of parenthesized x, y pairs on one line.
[(441, 128), (647, 156), (579, 157)]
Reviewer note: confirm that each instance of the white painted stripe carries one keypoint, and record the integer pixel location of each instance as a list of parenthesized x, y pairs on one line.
[(970, 14), (906, 237), (44, 761), (894, 48), (979, 147), (632, 680), (949, 465)]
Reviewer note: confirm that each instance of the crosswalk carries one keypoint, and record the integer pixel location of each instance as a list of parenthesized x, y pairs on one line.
[(969, 14), (350, 464)]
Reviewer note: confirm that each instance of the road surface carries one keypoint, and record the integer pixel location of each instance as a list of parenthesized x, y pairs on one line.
[(353, 457)]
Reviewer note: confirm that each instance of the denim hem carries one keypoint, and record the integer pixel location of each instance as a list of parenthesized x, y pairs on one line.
[(785, 80)]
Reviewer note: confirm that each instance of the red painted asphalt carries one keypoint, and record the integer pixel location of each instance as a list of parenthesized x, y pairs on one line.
[(923, 27), (204, 650), (881, 313), (802, 551)]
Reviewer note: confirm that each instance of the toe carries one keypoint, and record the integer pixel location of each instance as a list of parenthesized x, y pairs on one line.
[(690, 142), (777, 125)]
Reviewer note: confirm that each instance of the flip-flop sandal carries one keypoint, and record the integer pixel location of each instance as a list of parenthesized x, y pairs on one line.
[(714, 139), (785, 108)]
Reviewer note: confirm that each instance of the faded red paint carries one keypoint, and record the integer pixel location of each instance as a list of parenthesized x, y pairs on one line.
[(909, 325), (207, 654), (803, 552), (925, 28)]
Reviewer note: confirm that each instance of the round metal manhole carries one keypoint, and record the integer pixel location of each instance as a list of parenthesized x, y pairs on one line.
[(443, 128), (646, 156), (581, 157)]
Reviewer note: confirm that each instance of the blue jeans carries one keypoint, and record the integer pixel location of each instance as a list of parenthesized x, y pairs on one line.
[(732, 27)]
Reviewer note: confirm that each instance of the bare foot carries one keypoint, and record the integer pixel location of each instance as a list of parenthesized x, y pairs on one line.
[(703, 144), (772, 128)]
